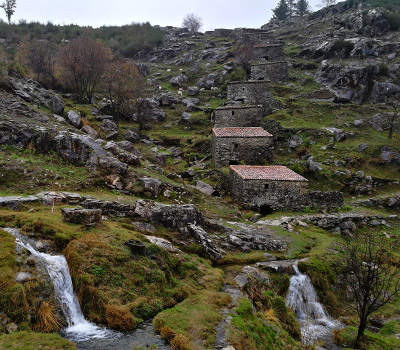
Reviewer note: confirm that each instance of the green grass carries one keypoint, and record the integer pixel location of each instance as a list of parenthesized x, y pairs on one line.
[(257, 331), (193, 321), (34, 341), (371, 340)]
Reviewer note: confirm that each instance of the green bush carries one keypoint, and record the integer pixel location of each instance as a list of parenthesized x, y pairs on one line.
[(15, 69)]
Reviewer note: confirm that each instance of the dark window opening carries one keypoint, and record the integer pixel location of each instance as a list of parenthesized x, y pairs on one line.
[(240, 100), (236, 146), (266, 187), (261, 78), (266, 210), (243, 89), (233, 112), (233, 162)]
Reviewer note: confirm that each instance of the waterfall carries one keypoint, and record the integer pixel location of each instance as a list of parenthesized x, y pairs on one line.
[(78, 327), (315, 323)]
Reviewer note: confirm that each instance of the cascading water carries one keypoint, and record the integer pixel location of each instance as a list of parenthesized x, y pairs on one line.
[(315, 323), (78, 328)]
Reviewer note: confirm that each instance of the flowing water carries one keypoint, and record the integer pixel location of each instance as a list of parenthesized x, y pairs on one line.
[(315, 323), (86, 334)]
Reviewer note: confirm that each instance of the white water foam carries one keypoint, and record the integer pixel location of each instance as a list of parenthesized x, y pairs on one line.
[(314, 321), (78, 327)]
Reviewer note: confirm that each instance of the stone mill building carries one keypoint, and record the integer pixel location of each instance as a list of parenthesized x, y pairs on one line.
[(273, 71), (267, 188), (236, 145), (238, 116)]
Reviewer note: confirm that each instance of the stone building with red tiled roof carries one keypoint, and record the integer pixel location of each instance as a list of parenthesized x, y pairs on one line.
[(236, 145), (273, 188), (267, 188)]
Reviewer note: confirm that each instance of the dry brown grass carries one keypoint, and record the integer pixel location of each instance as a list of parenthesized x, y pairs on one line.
[(119, 317), (47, 320)]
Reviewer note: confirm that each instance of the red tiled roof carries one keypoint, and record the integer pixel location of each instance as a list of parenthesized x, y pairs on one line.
[(273, 173), (241, 132)]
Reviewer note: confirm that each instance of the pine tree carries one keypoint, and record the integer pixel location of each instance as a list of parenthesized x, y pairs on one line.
[(302, 8), (281, 12)]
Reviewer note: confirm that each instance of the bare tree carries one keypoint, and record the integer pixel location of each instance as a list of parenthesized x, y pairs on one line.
[(123, 84), (192, 22), (9, 7), (244, 55), (82, 63), (372, 276), (38, 56)]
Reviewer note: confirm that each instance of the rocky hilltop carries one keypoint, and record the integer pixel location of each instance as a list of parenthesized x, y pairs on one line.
[(152, 230)]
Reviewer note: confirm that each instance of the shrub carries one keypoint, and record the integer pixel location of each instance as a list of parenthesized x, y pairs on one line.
[(15, 69)]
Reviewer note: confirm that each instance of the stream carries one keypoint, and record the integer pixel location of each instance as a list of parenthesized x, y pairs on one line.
[(84, 333), (316, 325)]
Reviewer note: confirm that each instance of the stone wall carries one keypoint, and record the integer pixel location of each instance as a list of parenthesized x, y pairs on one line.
[(270, 71), (269, 52), (240, 32), (237, 116), (256, 38), (223, 33), (233, 150), (269, 196), (252, 93)]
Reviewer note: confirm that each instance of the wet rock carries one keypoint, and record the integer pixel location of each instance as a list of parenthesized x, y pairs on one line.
[(358, 123), (74, 119), (205, 241), (108, 126), (90, 131), (378, 122), (313, 167), (152, 186), (170, 216), (193, 91), (204, 188), (186, 116), (191, 103), (362, 147), (163, 243), (57, 105), (132, 136), (282, 266), (179, 80), (168, 99), (87, 217), (15, 203), (295, 141), (112, 209), (144, 227)]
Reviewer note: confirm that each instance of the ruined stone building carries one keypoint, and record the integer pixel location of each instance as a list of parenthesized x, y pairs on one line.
[(236, 145), (273, 71), (273, 188), (240, 33), (237, 116), (269, 52), (256, 38), (252, 92)]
